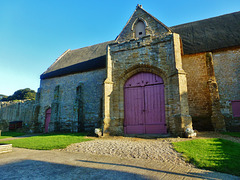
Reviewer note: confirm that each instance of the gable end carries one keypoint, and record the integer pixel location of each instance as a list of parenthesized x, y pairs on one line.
[(152, 25)]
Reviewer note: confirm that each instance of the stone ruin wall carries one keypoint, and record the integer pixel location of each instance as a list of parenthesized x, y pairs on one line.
[(17, 111)]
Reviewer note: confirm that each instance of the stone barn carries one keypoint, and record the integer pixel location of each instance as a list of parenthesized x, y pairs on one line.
[(152, 79)]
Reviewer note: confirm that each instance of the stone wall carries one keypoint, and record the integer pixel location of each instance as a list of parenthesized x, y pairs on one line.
[(160, 56), (17, 111), (158, 52), (213, 82), (198, 90), (76, 101), (227, 72)]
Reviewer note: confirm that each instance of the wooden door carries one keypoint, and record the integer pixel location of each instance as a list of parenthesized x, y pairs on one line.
[(47, 119), (144, 105), (134, 114)]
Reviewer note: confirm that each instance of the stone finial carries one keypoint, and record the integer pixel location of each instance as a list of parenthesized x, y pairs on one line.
[(139, 5)]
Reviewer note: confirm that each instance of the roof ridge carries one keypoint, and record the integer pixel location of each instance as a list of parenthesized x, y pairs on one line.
[(210, 34), (79, 55), (206, 19), (91, 45)]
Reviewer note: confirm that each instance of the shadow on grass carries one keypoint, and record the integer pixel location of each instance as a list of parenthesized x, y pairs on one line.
[(226, 156), (67, 134), (234, 134), (12, 134), (213, 154)]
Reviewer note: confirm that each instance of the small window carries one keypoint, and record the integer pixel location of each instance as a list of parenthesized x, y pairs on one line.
[(140, 29), (236, 108)]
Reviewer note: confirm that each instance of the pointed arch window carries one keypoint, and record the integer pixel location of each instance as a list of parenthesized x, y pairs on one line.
[(140, 29)]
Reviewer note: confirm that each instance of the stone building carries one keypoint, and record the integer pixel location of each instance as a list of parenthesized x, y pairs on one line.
[(152, 79)]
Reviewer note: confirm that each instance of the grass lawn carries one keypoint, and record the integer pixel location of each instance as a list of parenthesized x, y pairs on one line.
[(212, 154), (10, 134), (235, 134), (48, 141)]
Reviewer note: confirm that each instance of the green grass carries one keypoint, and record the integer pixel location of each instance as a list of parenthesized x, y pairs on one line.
[(10, 134), (48, 141), (235, 134), (212, 154)]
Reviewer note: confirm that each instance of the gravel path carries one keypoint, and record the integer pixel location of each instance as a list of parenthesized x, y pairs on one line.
[(149, 149), (160, 150)]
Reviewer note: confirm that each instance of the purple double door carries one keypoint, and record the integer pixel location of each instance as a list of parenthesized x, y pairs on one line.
[(144, 105)]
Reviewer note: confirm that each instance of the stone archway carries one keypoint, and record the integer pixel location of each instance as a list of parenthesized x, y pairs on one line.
[(160, 56)]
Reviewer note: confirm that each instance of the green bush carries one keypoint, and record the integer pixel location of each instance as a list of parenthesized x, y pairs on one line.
[(21, 94)]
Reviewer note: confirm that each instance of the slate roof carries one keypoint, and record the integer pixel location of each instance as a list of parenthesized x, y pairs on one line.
[(199, 36), (210, 34), (78, 60)]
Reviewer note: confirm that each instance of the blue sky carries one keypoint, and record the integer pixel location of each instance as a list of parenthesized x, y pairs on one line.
[(34, 33)]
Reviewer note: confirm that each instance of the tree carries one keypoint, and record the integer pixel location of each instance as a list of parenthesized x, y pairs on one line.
[(21, 94)]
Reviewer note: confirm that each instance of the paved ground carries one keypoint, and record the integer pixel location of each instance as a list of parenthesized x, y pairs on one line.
[(34, 164), (119, 158)]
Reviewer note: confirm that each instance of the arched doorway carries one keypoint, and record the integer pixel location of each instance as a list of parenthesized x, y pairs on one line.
[(144, 105), (47, 119)]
